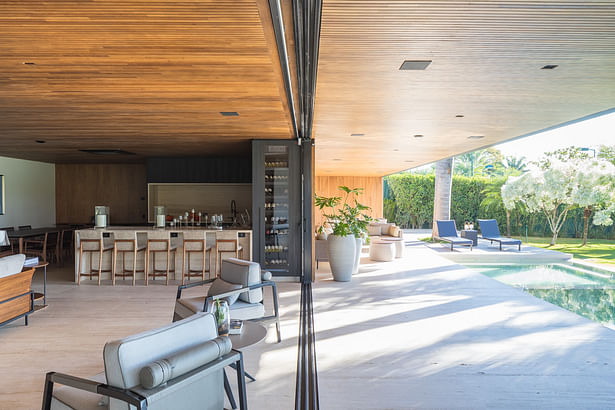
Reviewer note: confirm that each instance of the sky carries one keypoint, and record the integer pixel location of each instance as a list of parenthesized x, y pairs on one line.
[(584, 134)]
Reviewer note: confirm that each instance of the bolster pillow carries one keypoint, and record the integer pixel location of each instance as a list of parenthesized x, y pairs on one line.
[(161, 371)]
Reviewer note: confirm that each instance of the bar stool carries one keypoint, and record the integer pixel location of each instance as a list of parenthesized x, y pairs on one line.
[(195, 242), (92, 242), (126, 242), (227, 242), (159, 242)]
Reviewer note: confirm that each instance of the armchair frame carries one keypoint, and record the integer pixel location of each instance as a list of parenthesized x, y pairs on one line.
[(263, 284), (137, 398)]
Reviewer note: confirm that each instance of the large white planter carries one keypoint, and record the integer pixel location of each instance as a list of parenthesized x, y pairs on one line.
[(342, 256), (357, 255)]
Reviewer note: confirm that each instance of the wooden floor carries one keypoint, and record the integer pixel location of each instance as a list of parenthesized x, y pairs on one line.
[(417, 333), (68, 336)]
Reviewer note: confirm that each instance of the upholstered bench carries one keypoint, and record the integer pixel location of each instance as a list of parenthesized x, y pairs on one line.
[(382, 251)]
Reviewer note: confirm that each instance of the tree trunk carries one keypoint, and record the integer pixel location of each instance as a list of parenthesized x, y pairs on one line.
[(587, 212), (507, 222), (554, 238), (442, 192)]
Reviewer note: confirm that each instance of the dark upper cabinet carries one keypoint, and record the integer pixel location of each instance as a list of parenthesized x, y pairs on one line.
[(199, 170)]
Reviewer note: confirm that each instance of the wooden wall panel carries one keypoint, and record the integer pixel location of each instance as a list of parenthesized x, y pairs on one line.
[(80, 187), (372, 191)]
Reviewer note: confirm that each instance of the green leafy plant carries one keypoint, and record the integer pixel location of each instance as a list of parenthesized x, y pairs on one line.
[(347, 216)]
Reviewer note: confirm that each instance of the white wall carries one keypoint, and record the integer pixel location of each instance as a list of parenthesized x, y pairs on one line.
[(30, 193)]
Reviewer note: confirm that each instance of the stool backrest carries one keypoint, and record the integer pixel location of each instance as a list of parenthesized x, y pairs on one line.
[(227, 240), (190, 238), (89, 240), (124, 240), (159, 240)]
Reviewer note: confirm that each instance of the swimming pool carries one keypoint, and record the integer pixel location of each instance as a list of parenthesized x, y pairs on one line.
[(586, 291)]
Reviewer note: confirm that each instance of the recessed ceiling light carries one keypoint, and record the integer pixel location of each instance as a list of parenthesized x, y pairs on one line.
[(459, 116), (40, 141), (29, 63), (336, 159), (549, 67), (229, 113), (409, 160), (415, 64), (107, 152), (418, 136), (357, 135), (395, 149), (476, 137)]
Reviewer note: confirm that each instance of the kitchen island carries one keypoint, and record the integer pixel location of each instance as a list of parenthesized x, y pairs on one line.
[(244, 236)]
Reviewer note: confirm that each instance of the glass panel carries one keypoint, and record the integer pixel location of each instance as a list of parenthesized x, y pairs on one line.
[(276, 208)]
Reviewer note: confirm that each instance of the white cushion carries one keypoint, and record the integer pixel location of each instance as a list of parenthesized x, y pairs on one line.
[(245, 273), (221, 286), (126, 357), (373, 229), (11, 265), (239, 310)]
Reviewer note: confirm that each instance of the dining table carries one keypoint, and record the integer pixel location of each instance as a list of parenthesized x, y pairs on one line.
[(21, 234)]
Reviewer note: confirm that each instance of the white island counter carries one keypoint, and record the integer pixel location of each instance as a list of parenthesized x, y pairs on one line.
[(244, 236)]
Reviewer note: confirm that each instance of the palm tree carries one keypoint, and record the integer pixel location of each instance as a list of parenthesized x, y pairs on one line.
[(493, 199), (514, 164), (442, 192)]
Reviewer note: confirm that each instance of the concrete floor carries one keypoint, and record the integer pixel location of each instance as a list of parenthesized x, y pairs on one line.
[(417, 333)]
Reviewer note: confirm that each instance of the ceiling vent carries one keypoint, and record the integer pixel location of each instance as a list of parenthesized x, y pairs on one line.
[(476, 137), (549, 67), (415, 64), (107, 152), (418, 136), (357, 135), (229, 113)]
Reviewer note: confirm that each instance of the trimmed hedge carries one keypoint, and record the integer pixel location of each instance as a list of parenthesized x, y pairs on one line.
[(409, 202)]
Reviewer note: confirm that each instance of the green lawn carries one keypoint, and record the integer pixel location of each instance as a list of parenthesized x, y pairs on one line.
[(596, 250)]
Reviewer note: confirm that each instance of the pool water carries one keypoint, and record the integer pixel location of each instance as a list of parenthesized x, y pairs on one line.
[(583, 290)]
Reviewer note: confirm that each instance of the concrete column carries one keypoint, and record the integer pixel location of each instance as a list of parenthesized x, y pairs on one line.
[(442, 192)]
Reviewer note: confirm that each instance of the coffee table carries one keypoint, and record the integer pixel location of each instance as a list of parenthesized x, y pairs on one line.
[(251, 334)]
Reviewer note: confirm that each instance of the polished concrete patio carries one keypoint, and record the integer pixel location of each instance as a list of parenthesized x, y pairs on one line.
[(420, 332)]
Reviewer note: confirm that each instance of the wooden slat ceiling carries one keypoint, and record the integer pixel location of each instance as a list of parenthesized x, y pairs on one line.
[(486, 65), (144, 76)]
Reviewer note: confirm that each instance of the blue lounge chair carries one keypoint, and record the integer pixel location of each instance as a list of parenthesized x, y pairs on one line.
[(489, 231), (447, 232)]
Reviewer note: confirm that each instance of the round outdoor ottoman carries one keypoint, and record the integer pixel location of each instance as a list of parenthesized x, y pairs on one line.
[(382, 251), (399, 246)]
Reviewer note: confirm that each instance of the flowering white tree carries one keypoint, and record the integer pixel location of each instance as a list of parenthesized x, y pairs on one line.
[(559, 186)]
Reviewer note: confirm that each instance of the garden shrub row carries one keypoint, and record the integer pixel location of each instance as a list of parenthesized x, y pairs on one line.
[(408, 200)]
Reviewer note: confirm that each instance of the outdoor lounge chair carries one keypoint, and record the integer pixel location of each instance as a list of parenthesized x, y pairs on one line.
[(447, 232), (489, 231)]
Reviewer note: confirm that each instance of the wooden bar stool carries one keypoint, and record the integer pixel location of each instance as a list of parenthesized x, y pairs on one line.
[(195, 242), (126, 242), (227, 242), (92, 243), (159, 242)]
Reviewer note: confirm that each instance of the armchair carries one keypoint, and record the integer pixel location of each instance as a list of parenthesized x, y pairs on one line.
[(179, 366), (241, 282)]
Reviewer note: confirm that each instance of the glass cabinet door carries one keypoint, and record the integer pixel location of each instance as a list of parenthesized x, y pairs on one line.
[(276, 208)]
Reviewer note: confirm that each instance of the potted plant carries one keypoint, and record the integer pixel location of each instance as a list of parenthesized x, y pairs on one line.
[(349, 223)]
